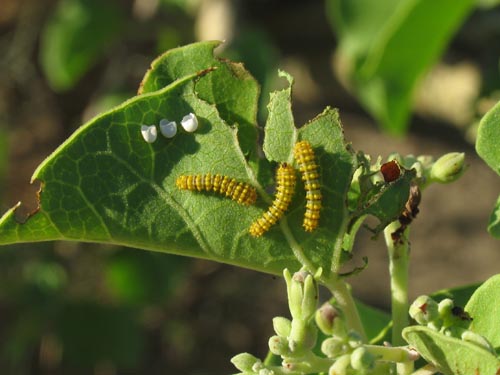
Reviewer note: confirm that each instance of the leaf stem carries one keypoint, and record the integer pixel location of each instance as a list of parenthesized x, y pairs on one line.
[(398, 268), (296, 248)]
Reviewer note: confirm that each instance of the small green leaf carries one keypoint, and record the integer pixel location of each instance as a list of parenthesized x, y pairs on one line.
[(386, 46), (281, 133), (389, 201), (488, 139), (484, 308), (450, 355), (75, 37)]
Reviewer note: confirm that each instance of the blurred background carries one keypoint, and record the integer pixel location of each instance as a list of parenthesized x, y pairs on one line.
[(412, 80)]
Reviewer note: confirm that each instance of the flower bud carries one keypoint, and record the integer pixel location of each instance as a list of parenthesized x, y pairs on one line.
[(279, 345), (310, 299), (302, 294), (341, 365), (333, 347), (362, 359), (325, 317), (282, 326), (244, 362), (453, 315), (448, 168), (424, 310)]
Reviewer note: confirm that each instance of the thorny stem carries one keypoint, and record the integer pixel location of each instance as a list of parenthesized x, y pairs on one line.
[(398, 268)]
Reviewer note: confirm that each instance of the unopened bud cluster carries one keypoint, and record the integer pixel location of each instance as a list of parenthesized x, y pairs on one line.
[(447, 318), (446, 169), (343, 350)]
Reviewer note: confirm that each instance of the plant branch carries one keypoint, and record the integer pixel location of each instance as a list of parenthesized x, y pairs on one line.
[(398, 250)]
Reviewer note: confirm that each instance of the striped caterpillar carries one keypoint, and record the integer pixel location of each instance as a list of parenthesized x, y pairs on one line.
[(304, 155), (285, 187), (238, 191)]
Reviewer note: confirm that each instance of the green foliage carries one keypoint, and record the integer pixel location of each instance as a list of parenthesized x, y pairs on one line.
[(106, 184), (451, 355), (485, 310), (386, 46), (488, 139), (75, 37)]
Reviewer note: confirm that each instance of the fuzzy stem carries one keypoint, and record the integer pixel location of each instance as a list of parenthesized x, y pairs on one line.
[(392, 354), (398, 268), (343, 297)]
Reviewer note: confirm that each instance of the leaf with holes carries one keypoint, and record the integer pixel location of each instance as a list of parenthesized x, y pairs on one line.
[(106, 184)]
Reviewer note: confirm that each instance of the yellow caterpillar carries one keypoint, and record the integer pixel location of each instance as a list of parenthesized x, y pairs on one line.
[(304, 155), (285, 187), (238, 191)]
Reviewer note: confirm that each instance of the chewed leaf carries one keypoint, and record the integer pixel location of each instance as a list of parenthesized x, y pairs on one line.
[(231, 88), (114, 179), (450, 355), (106, 184)]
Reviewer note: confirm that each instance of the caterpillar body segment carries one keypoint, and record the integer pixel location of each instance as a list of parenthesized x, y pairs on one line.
[(238, 191), (285, 187), (308, 167)]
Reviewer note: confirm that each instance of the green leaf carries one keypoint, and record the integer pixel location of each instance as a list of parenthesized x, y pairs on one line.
[(484, 308), (488, 139), (376, 322), (450, 355), (388, 200), (386, 46), (233, 90), (105, 184), (75, 37)]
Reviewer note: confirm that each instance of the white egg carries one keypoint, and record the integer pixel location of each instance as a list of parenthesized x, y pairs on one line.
[(168, 128), (149, 133), (190, 123)]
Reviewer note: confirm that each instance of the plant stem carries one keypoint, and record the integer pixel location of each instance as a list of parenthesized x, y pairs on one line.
[(398, 267), (343, 297)]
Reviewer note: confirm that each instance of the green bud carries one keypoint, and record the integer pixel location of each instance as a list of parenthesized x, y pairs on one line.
[(244, 361), (362, 359), (302, 337), (341, 365), (424, 310), (279, 345), (310, 299), (478, 340), (282, 326), (325, 317), (448, 168), (333, 347), (445, 307), (302, 294), (311, 335)]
